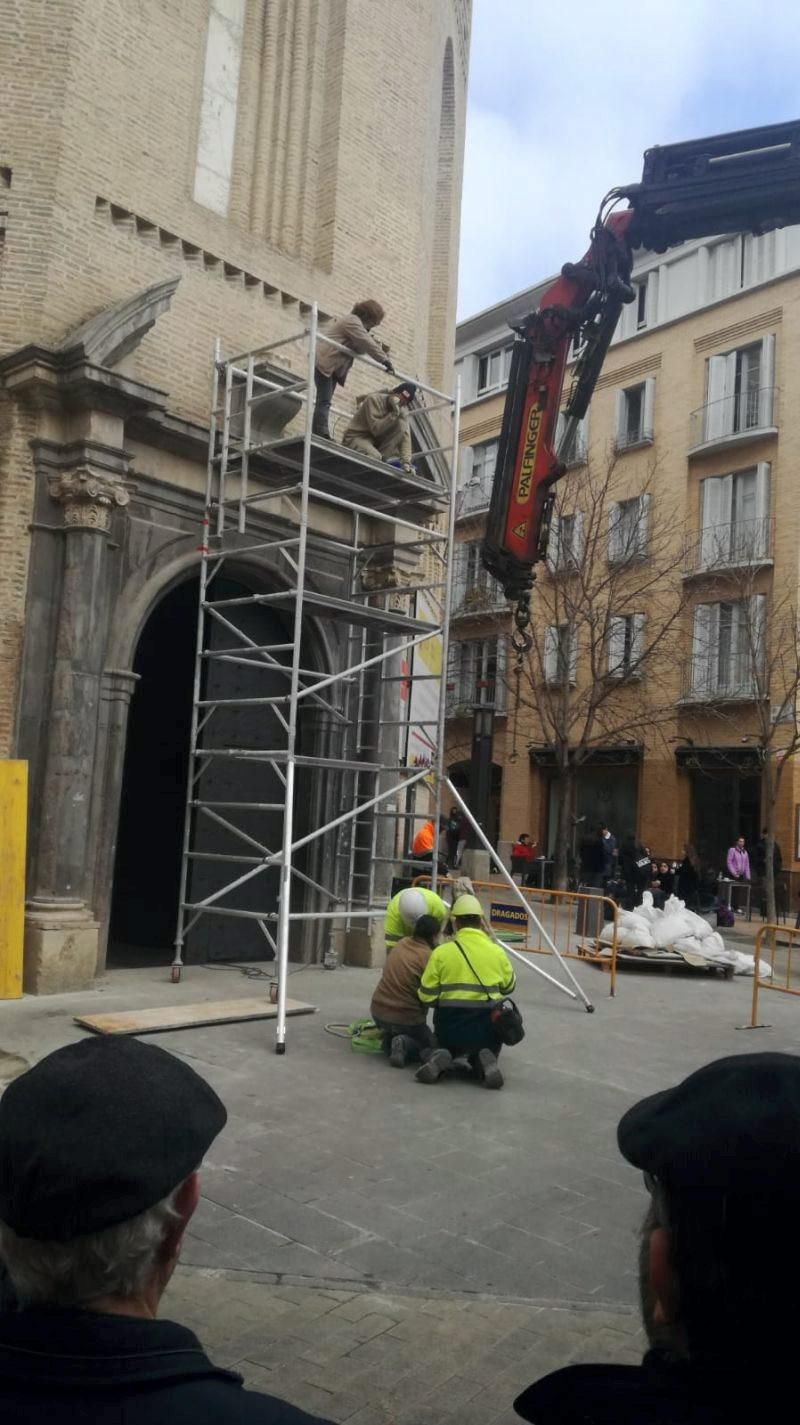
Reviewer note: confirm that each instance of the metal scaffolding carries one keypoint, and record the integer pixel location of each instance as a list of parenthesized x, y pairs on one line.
[(313, 506)]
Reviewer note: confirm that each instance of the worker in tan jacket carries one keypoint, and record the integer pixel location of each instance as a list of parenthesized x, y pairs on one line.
[(379, 427), (396, 1007), (332, 365)]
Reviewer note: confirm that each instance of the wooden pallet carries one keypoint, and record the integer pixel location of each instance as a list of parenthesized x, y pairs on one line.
[(188, 1016)]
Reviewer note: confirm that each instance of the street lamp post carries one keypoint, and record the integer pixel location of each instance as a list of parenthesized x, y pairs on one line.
[(480, 777)]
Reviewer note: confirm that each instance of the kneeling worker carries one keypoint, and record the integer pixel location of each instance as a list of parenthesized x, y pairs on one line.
[(405, 909), (466, 980), (396, 1007), (379, 427)]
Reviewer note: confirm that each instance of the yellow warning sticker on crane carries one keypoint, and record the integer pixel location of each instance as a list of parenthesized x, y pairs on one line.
[(520, 530)]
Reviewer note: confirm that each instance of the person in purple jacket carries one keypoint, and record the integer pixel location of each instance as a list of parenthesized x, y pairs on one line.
[(739, 861)]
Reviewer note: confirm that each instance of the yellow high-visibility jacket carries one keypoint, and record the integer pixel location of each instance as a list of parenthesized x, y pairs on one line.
[(395, 927), (448, 980)]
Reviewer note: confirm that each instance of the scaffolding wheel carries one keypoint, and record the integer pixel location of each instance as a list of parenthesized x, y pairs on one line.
[(175, 974), (590, 1009)]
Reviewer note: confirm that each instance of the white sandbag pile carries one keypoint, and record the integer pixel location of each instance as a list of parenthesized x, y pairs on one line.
[(680, 931)]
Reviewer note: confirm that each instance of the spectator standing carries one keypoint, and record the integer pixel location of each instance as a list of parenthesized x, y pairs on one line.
[(720, 1155), (688, 876), (610, 851), (332, 365), (453, 832), (634, 867), (593, 860), (738, 861), (99, 1149)]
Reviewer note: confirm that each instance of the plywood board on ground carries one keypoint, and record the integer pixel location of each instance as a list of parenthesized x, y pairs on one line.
[(188, 1016)]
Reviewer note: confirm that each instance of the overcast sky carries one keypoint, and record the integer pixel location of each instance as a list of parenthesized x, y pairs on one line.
[(565, 96)]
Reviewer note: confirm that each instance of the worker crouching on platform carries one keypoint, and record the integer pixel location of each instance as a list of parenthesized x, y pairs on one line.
[(380, 427), (396, 1007), (405, 909), (466, 981)]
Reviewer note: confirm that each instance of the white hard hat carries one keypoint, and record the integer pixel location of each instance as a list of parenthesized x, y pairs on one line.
[(411, 905)]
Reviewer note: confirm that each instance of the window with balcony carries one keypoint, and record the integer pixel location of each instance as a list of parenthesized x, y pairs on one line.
[(628, 522), (728, 649), (474, 589), (572, 443), (493, 369), (634, 415), (560, 654), (565, 542), (625, 645), (476, 675), (740, 393), (735, 522), (478, 465)]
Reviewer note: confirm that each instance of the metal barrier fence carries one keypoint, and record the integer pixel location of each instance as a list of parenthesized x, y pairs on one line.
[(572, 919), (777, 937)]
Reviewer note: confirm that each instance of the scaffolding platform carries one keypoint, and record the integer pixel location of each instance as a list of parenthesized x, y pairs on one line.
[(313, 835)]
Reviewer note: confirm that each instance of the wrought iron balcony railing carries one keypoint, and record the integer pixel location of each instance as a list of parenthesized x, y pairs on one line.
[(734, 417), (744, 544)]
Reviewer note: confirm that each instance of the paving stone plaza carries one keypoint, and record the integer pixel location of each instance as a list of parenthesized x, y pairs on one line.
[(376, 1250)]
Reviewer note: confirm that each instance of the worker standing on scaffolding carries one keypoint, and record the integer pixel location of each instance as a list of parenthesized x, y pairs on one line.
[(380, 427), (332, 364), (405, 909)]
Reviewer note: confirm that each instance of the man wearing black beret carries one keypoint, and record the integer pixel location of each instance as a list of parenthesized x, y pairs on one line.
[(719, 1257), (100, 1145)]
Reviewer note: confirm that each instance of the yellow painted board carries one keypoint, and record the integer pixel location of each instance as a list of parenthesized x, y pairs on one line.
[(13, 826), (188, 1016)]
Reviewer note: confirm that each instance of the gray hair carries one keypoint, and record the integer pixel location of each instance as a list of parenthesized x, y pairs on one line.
[(118, 1261)]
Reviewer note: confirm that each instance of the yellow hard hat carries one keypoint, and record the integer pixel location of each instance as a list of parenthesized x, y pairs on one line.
[(466, 905)]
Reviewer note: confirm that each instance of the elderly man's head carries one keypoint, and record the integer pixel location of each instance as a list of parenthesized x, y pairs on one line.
[(99, 1149), (720, 1154)]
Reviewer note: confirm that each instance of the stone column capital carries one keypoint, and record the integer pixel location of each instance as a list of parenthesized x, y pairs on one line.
[(88, 500)]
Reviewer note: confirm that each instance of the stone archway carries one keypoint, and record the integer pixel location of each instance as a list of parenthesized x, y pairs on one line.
[(153, 799)]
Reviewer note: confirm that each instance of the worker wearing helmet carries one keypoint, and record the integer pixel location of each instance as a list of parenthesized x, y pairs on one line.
[(396, 1007), (466, 980), (405, 909)]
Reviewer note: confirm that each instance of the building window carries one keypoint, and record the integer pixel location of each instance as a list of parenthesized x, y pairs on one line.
[(739, 390), (560, 653), (625, 645), (476, 675), (641, 304), (575, 449), (479, 463), (217, 128), (565, 542), (493, 369), (628, 529), (634, 415), (735, 524), (474, 589), (728, 648)]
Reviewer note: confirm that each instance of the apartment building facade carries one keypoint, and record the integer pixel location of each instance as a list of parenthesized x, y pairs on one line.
[(695, 414)]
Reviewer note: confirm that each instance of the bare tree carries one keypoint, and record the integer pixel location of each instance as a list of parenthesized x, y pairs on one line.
[(745, 663), (606, 627)]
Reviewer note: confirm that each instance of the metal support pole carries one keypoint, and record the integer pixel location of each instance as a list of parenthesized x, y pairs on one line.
[(487, 846), (180, 932), (285, 882), (448, 602)]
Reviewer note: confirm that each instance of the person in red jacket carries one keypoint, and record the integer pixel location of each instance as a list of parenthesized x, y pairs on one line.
[(522, 857)]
